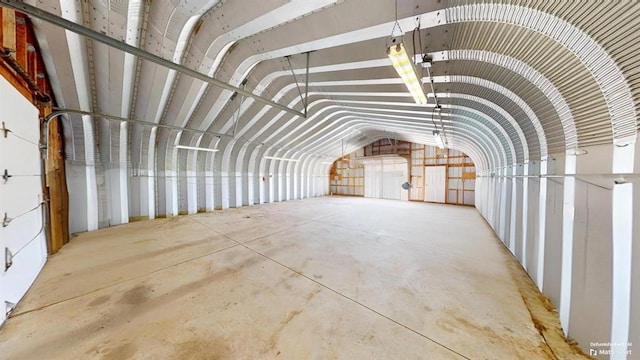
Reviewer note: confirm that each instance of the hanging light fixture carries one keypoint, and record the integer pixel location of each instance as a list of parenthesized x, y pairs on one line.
[(438, 138), (404, 67), (280, 158), (400, 60), (194, 148)]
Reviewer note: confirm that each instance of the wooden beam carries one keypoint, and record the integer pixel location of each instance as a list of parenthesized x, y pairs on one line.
[(9, 29), (21, 45), (56, 187), (14, 80), (2, 11), (452, 165), (16, 34)]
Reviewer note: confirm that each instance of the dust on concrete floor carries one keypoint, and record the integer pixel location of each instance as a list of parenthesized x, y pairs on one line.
[(321, 278)]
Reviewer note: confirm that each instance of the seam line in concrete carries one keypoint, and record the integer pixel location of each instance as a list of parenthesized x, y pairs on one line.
[(121, 282), (237, 243), (337, 292)]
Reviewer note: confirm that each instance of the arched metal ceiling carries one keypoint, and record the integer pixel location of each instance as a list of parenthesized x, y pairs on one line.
[(518, 80)]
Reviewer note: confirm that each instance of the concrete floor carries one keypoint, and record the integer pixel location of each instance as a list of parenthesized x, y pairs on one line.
[(322, 278)]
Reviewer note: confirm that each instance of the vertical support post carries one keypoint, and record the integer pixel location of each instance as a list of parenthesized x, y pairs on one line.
[(22, 45), (568, 215), (2, 17), (623, 219), (306, 88)]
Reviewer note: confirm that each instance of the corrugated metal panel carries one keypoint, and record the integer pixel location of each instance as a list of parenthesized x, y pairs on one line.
[(72, 135), (502, 117), (606, 31), (175, 25), (529, 93), (520, 154), (120, 7), (506, 103), (505, 145), (532, 41), (562, 68), (560, 107)]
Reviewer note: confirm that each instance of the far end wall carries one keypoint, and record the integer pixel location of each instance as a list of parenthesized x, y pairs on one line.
[(347, 175)]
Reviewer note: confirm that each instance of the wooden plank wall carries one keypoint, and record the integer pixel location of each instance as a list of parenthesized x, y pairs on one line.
[(347, 175), (17, 36), (416, 193)]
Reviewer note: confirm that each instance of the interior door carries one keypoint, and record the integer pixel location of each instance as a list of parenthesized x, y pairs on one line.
[(435, 183)]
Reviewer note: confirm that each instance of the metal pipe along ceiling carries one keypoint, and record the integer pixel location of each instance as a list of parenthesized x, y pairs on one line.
[(91, 34), (348, 58)]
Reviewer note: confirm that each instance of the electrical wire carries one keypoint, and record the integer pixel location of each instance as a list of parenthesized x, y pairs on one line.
[(396, 24), (419, 36), (444, 133), (413, 41), (396, 11), (433, 90)]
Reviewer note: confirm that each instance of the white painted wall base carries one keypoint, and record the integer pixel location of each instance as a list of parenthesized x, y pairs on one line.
[(574, 235)]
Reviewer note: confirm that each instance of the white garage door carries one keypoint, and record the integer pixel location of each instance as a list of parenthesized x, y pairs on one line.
[(383, 178), (22, 240)]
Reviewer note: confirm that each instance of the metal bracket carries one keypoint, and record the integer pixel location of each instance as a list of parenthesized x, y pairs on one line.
[(620, 180), (6, 176), (9, 307), (8, 258), (5, 130), (6, 220)]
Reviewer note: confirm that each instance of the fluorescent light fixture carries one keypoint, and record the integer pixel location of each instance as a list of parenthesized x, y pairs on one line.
[(438, 138), (279, 158), (194, 148), (577, 151), (403, 66)]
